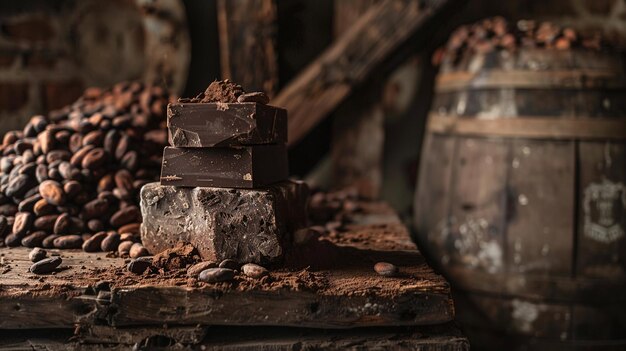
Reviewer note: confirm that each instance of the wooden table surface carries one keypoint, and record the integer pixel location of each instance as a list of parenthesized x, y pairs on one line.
[(335, 287)]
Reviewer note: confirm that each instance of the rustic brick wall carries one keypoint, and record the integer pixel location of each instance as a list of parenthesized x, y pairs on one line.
[(51, 50)]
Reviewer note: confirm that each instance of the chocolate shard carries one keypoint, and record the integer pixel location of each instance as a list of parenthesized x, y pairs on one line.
[(225, 124), (247, 225), (246, 167)]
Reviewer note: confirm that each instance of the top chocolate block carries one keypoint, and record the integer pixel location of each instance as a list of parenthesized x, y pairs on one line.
[(225, 124)]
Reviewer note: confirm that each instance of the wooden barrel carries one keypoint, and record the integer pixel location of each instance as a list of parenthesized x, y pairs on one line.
[(521, 196)]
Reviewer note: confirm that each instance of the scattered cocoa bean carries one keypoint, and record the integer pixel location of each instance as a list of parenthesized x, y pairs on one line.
[(254, 270), (124, 248), (386, 269), (215, 275), (228, 263), (195, 270), (111, 242), (52, 192), (68, 242), (137, 250), (37, 254), (138, 266), (46, 265), (94, 243)]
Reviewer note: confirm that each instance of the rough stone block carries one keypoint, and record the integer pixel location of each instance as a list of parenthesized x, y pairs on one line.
[(248, 225)]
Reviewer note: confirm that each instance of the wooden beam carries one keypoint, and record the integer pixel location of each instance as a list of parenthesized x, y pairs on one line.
[(247, 33), (348, 62), (358, 125)]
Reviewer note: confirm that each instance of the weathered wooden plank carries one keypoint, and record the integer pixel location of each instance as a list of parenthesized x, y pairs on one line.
[(540, 211), (345, 291), (601, 241), (247, 33), (476, 218), (446, 337), (432, 206), (351, 59)]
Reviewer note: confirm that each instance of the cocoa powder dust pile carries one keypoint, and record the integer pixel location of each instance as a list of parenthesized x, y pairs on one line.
[(219, 91), (180, 256)]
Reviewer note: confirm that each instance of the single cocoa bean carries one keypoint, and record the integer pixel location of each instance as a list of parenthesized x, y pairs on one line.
[(195, 270), (46, 222), (229, 263), (18, 185), (68, 242), (254, 270), (23, 223), (94, 159), (37, 254), (62, 224), (137, 250), (95, 225), (93, 244), (34, 239), (124, 248), (28, 204), (111, 242), (72, 188), (42, 207), (138, 266), (130, 228), (95, 208), (52, 192), (79, 156), (386, 269), (125, 216), (46, 265), (41, 173), (12, 240), (215, 275), (48, 242)]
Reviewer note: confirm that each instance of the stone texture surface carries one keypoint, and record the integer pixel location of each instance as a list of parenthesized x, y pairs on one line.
[(248, 225)]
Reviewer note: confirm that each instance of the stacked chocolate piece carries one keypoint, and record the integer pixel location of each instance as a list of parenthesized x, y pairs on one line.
[(224, 186)]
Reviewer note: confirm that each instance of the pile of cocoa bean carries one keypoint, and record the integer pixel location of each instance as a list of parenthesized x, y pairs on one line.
[(497, 34), (71, 179)]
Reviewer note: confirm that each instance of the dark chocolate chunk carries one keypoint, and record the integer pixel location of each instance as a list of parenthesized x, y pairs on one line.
[(220, 124), (247, 167), (246, 225)]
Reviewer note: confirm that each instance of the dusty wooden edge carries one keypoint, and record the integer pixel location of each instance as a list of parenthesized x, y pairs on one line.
[(441, 337), (57, 303), (526, 79), (529, 127)]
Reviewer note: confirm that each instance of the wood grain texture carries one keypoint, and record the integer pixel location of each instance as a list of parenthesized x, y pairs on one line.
[(247, 34), (350, 60), (358, 125), (352, 294), (445, 337)]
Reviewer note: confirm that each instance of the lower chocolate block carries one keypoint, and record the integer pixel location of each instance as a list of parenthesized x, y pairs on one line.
[(249, 225), (245, 167)]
